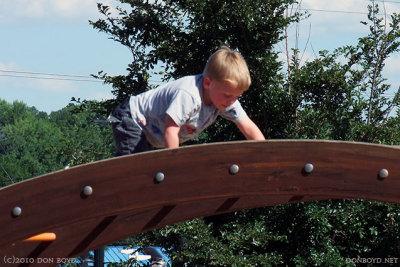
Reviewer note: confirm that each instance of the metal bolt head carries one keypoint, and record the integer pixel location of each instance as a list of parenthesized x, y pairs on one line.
[(159, 177), (87, 190), (383, 173), (233, 169), (309, 168), (17, 211)]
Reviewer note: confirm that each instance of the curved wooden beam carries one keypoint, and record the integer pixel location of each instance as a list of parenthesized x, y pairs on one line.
[(95, 204)]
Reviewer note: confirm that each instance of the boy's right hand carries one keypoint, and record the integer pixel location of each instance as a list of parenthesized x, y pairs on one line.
[(171, 131)]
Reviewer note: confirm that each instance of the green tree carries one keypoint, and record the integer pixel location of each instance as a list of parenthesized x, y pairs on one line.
[(84, 141), (328, 99), (33, 143), (343, 95), (10, 113), (27, 143), (178, 36)]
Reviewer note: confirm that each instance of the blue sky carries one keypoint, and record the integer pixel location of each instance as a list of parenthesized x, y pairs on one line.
[(54, 36)]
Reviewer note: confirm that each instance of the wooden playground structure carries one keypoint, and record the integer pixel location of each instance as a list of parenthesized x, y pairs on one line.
[(85, 207)]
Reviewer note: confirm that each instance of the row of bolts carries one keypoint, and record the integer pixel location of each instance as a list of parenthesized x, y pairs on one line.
[(233, 169)]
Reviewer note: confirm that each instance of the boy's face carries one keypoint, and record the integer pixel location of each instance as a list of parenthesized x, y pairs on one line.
[(221, 94)]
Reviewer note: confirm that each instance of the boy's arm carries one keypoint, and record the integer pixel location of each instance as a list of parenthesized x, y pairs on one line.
[(171, 131), (249, 129)]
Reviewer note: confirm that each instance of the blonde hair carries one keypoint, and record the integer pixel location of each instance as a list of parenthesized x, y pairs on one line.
[(228, 65)]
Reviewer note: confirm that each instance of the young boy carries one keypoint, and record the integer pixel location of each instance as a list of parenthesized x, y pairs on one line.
[(179, 110)]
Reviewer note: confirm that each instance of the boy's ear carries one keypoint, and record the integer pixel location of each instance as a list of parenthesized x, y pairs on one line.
[(206, 82)]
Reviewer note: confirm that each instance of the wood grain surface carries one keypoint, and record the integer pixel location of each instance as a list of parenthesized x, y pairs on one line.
[(126, 199)]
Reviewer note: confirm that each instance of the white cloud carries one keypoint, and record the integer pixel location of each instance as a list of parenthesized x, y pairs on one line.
[(100, 96), (48, 11), (341, 16), (8, 65), (55, 86), (392, 70), (12, 11), (45, 94), (5, 75), (18, 78), (26, 82), (393, 64), (331, 16), (328, 4), (333, 24)]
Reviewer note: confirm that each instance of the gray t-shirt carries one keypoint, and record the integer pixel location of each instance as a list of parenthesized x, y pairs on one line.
[(183, 101)]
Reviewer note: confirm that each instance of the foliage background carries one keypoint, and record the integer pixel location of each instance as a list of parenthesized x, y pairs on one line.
[(339, 95), (33, 143)]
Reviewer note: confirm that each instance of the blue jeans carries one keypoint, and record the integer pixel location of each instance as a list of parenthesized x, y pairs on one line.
[(128, 136)]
